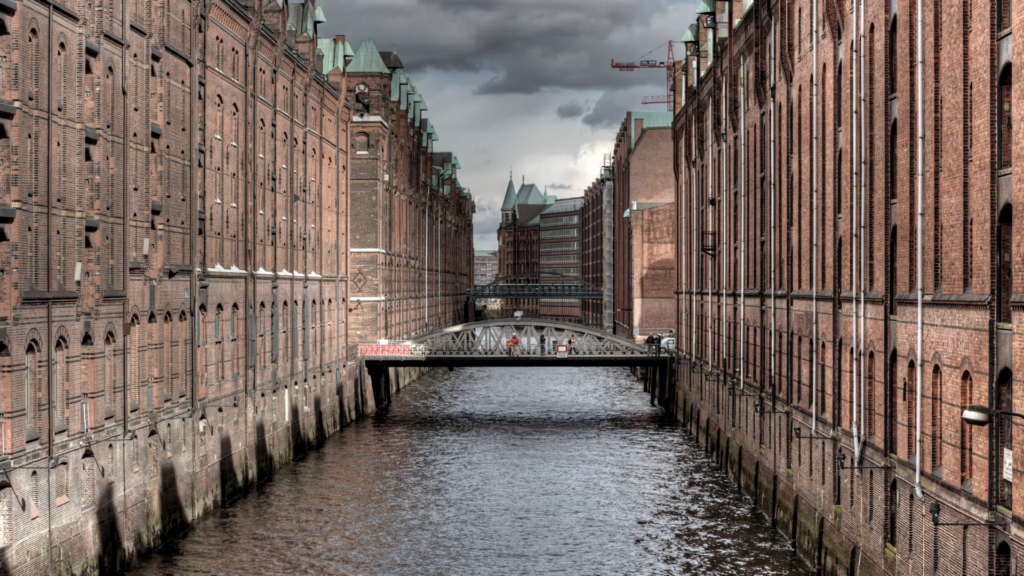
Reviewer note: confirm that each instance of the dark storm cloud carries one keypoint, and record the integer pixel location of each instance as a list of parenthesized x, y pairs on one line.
[(570, 110), (611, 107), (527, 45)]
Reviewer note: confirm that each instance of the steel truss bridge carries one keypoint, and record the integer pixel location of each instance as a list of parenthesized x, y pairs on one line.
[(485, 344), (536, 285)]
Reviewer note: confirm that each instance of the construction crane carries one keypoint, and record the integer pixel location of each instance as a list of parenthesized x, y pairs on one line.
[(668, 65)]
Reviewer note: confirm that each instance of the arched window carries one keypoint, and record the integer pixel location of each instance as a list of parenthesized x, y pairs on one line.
[(869, 401), (262, 334), (219, 348), (893, 58), (170, 369), (1005, 117), (966, 433), (1003, 564), (60, 485), (31, 395), (313, 322), (821, 380), (235, 346), (61, 386), (910, 397), (184, 366), (1004, 438), (109, 373), (893, 253), (1004, 264), (891, 508), (284, 330), (936, 419), (34, 497)]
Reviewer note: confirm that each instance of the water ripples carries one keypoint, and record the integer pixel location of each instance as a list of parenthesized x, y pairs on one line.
[(495, 471)]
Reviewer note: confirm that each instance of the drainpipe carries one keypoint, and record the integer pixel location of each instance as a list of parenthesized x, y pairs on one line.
[(693, 234), (426, 261), (710, 267), (863, 218), (920, 219), (855, 164), (814, 228), (743, 228), (771, 115), (723, 225)]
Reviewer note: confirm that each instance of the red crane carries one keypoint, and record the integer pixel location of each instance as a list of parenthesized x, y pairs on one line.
[(668, 65)]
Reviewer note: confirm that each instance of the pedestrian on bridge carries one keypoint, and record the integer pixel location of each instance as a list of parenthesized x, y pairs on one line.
[(657, 345), (649, 342), (543, 344), (512, 343), (572, 345)]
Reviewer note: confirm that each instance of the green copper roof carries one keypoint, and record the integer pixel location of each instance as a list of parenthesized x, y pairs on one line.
[(510, 196), (348, 50), (368, 59), (691, 34), (706, 7), (530, 194), (334, 54), (396, 84), (651, 120), (318, 16)]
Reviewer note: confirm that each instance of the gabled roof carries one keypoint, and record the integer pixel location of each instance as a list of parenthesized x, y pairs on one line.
[(530, 194), (334, 54), (367, 59), (510, 196), (391, 60)]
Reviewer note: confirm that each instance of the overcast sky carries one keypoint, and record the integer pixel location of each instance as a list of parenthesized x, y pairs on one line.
[(525, 85)]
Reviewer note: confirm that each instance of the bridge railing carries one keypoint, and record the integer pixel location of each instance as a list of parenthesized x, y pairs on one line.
[(527, 346)]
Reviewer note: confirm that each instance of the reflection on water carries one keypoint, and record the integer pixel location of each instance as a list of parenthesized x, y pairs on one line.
[(495, 471)]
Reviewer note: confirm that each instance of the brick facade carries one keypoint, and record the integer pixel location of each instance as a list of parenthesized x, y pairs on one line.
[(643, 179), (412, 221), (798, 274), (174, 265)]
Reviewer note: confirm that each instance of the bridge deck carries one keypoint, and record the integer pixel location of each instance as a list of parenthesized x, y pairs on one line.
[(524, 360)]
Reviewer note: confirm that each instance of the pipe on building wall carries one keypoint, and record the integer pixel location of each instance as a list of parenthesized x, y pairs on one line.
[(743, 225), (709, 171), (771, 158), (920, 218), (814, 225), (855, 166), (863, 218), (693, 235), (722, 210)]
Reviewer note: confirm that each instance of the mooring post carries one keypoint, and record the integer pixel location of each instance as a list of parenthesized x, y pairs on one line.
[(652, 377)]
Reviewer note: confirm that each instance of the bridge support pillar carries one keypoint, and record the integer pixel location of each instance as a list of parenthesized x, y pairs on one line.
[(380, 381)]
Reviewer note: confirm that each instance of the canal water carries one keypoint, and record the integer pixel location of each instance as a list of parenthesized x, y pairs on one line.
[(495, 471)]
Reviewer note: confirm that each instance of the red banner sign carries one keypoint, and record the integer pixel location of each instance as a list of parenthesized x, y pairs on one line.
[(384, 349)]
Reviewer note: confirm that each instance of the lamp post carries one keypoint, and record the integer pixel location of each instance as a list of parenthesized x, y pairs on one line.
[(981, 415)]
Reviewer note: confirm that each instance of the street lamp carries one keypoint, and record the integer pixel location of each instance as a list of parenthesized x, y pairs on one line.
[(981, 415)]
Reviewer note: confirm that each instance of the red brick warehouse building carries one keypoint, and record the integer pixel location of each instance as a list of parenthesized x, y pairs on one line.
[(412, 227), (643, 218), (846, 257), (174, 262)]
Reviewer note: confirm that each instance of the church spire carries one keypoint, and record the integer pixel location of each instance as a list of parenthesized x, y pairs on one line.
[(510, 195)]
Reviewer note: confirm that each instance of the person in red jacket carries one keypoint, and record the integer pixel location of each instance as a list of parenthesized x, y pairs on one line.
[(512, 343)]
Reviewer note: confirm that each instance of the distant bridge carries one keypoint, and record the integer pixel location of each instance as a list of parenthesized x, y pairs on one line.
[(536, 285)]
